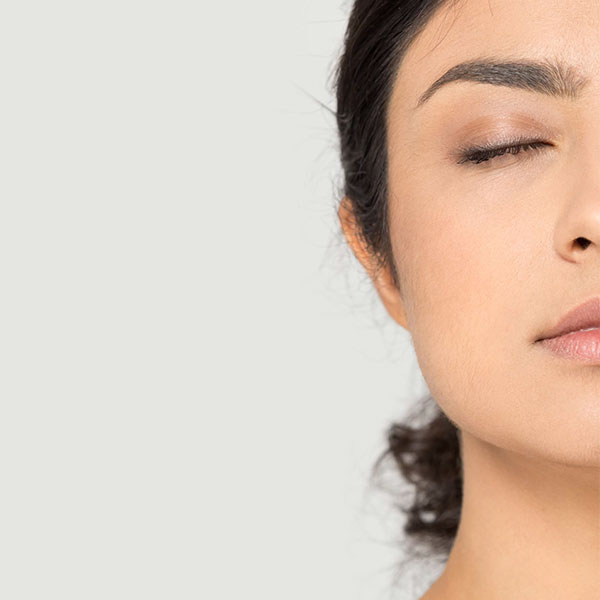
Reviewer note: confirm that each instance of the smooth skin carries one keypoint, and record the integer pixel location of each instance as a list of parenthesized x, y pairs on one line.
[(488, 259)]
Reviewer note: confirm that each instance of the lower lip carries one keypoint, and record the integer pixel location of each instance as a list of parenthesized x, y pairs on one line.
[(579, 345)]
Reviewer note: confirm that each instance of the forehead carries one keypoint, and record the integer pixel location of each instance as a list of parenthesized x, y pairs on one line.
[(464, 30)]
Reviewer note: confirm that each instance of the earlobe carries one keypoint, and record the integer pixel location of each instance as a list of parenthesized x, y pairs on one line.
[(381, 277), (390, 296)]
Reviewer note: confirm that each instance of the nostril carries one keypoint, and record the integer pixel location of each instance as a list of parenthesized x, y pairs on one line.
[(583, 242)]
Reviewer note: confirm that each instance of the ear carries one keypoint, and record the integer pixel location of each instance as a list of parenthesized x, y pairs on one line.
[(381, 277)]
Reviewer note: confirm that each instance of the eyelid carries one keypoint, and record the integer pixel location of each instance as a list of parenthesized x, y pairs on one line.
[(490, 154), (501, 142), (520, 140)]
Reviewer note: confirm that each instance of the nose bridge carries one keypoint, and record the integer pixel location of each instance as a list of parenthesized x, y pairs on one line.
[(588, 137), (579, 225), (592, 111), (591, 146), (591, 128), (577, 232)]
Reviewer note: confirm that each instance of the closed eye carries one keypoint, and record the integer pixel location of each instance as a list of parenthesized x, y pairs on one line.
[(479, 154)]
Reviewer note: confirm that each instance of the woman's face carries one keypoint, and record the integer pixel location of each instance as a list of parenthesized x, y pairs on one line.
[(487, 253)]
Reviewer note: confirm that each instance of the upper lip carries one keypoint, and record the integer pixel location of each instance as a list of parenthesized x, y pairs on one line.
[(585, 316)]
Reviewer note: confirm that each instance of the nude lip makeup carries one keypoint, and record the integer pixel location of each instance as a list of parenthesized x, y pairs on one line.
[(577, 335), (578, 345)]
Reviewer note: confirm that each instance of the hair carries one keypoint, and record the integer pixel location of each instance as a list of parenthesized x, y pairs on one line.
[(428, 455)]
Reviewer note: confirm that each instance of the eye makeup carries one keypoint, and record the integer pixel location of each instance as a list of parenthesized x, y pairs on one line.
[(477, 154), (488, 141)]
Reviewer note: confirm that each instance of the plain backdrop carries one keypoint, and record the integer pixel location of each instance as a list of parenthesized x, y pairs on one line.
[(196, 377)]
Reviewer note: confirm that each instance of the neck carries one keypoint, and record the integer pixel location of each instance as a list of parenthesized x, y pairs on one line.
[(529, 529)]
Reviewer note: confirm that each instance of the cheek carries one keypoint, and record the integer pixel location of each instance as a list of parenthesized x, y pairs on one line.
[(459, 269), (464, 277), (479, 273)]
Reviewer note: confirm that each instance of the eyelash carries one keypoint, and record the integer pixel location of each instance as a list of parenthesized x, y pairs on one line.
[(479, 154)]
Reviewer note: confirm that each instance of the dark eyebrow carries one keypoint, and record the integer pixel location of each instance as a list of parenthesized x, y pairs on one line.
[(552, 78)]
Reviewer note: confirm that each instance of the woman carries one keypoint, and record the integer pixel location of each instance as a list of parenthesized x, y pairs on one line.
[(470, 142)]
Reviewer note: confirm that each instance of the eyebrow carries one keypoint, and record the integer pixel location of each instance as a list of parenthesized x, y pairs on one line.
[(553, 78)]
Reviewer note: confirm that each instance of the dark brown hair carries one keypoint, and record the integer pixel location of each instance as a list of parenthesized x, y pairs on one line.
[(427, 454)]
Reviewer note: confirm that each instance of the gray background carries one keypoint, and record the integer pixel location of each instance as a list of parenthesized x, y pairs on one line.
[(196, 376)]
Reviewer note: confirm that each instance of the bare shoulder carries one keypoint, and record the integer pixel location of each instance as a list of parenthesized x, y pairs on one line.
[(440, 591), (436, 592), (430, 595)]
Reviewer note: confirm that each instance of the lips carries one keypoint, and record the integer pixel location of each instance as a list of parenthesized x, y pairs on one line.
[(585, 316)]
